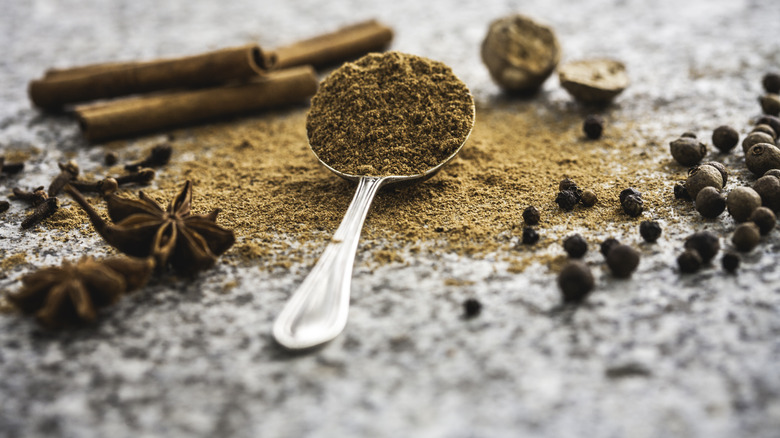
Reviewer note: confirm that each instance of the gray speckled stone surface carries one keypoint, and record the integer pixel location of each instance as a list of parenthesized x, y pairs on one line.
[(656, 356)]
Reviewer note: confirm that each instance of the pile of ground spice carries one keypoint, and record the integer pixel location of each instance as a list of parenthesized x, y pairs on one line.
[(389, 114), (284, 206)]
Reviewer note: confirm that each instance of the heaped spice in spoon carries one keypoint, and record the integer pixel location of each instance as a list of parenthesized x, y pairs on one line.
[(389, 114)]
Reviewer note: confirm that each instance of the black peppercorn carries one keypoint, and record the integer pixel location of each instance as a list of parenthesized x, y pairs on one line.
[(531, 216), (741, 202), (650, 231), (530, 236), (589, 198), (768, 188), (710, 203), (622, 260), (575, 281), (771, 82), (764, 218), (628, 192), (566, 199), (770, 104), (687, 151), (680, 192), (633, 205), (593, 126), (567, 184), (705, 243), (746, 236), (730, 262), (725, 138), (4, 205), (471, 308), (689, 261), (607, 245), (575, 245)]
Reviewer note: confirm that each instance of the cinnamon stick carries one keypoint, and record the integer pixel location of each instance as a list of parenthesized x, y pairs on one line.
[(342, 45), (120, 118), (80, 84)]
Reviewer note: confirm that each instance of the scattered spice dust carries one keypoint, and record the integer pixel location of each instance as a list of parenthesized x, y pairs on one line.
[(284, 206)]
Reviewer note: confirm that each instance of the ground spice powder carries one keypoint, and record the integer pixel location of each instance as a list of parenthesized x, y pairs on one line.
[(284, 206), (389, 114)]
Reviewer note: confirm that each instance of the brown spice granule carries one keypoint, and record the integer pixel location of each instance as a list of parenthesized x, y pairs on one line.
[(389, 114)]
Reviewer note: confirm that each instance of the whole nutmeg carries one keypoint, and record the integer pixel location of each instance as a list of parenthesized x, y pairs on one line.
[(770, 104), (702, 176), (766, 129), (623, 260), (741, 202), (710, 203), (762, 157), (725, 138), (689, 261), (687, 151), (594, 81), (764, 219), (756, 138), (575, 281), (721, 168), (705, 243), (520, 53), (746, 237), (589, 198), (768, 187)]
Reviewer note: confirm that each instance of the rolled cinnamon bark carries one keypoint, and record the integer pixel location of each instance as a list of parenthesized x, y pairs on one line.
[(125, 117), (344, 44), (101, 81)]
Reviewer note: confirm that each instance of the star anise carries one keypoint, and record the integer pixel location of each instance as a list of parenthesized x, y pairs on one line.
[(64, 295), (141, 228)]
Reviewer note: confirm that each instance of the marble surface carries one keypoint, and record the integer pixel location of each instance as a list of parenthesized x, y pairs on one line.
[(659, 355)]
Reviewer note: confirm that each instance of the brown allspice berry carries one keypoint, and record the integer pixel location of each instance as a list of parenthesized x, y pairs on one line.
[(721, 168), (650, 231), (762, 157), (589, 198), (746, 237), (730, 262), (768, 188), (772, 121), (687, 151), (703, 176), (607, 246), (741, 202), (766, 129), (531, 215), (773, 172), (623, 260), (725, 138), (755, 138), (593, 126), (771, 82), (705, 243), (770, 104), (575, 246), (710, 203), (689, 261), (575, 281), (764, 218)]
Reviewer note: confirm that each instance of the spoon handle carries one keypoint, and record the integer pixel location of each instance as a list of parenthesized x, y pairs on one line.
[(317, 311)]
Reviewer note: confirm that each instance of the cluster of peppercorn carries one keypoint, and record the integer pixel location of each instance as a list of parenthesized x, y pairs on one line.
[(753, 208), (569, 195)]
